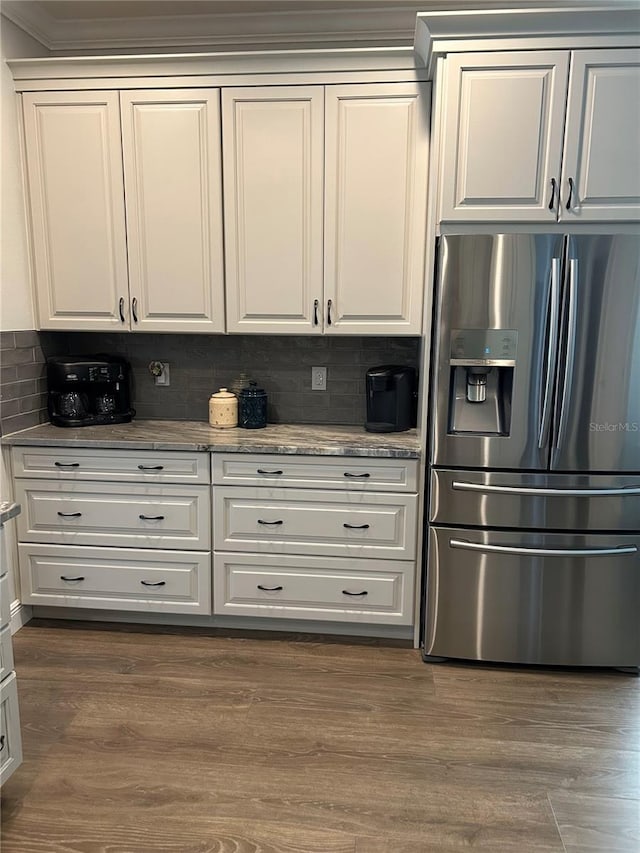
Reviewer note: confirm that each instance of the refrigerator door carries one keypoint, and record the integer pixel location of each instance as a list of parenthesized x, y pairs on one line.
[(550, 501), (502, 290), (539, 598), (597, 422)]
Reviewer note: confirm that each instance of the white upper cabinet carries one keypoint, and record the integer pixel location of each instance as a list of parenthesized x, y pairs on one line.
[(503, 158), (74, 168), (272, 139), (602, 141), (355, 157), (376, 164), (502, 136), (173, 191)]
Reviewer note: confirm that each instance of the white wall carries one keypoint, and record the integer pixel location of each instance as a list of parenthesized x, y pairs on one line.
[(16, 309)]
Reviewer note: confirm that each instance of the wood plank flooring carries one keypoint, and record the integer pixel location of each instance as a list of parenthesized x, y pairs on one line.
[(139, 739)]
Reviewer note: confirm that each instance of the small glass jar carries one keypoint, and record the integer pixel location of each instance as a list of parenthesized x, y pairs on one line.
[(253, 407), (223, 410)]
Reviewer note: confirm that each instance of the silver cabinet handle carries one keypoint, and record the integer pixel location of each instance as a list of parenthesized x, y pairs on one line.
[(465, 545), (572, 309), (69, 514), (359, 476), (153, 583), (553, 312), (544, 492)]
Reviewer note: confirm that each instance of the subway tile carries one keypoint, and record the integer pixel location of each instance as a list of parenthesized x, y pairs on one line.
[(8, 374), (9, 408), (33, 402), (27, 339), (24, 421), (12, 357), (16, 390), (7, 340), (31, 371)]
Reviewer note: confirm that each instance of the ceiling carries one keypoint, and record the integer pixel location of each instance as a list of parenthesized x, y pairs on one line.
[(98, 26)]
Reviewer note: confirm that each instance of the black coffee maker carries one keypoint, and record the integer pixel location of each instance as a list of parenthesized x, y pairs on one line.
[(88, 390), (391, 398)]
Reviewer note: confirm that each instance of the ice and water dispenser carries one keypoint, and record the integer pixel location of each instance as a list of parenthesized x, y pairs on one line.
[(482, 363)]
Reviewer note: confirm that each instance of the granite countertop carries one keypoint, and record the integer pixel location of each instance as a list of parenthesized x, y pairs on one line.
[(8, 510), (196, 435)]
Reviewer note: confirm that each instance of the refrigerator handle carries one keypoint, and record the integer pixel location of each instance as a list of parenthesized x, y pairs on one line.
[(572, 311), (553, 310), (622, 491), (466, 545)]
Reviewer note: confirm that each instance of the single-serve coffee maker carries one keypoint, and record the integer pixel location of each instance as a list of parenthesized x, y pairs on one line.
[(88, 390), (391, 398)]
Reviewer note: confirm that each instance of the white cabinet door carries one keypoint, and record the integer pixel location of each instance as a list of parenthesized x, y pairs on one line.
[(272, 144), (602, 137), (502, 136), (74, 169), (376, 158), (173, 188)]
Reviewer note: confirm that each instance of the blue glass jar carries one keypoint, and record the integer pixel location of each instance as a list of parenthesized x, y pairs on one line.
[(252, 412)]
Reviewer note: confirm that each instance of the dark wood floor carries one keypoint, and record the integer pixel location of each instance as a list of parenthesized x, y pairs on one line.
[(137, 741)]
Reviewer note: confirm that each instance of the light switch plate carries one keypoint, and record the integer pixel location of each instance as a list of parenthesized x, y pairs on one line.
[(318, 378)]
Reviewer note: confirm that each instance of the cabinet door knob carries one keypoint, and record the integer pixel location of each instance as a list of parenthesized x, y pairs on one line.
[(69, 514), (121, 309), (270, 588), (153, 583), (65, 578), (356, 526), (552, 200), (151, 517), (569, 200), (346, 592), (134, 309)]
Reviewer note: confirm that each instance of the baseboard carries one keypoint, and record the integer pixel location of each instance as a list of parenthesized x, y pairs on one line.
[(20, 615)]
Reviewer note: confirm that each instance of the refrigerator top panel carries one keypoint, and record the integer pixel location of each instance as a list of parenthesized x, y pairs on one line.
[(597, 420), (497, 320)]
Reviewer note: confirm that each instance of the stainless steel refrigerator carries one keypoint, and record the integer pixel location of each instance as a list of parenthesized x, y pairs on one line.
[(534, 510)]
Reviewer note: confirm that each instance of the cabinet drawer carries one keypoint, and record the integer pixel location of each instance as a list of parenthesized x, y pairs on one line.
[(108, 514), (147, 466), (5, 604), (295, 521), (116, 578), (383, 475), (331, 588), (10, 740), (6, 652)]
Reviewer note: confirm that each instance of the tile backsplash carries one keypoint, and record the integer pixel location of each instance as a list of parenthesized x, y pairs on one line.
[(281, 364), (23, 398)]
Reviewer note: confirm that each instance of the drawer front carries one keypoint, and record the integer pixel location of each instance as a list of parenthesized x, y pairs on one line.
[(305, 472), (313, 588), (5, 604), (6, 652), (10, 740), (296, 521), (116, 578), (142, 466), (106, 514)]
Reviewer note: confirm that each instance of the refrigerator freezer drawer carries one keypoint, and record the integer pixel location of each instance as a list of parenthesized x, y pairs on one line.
[(537, 598), (588, 502)]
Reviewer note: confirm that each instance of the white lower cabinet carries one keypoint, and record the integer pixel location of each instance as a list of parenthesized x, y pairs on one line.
[(334, 589), (309, 538), (10, 738), (140, 544)]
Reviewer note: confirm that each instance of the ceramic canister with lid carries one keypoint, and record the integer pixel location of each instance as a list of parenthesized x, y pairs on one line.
[(223, 410), (253, 407)]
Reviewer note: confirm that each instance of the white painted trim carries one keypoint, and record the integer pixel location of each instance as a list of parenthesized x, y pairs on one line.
[(584, 26), (20, 615), (247, 623)]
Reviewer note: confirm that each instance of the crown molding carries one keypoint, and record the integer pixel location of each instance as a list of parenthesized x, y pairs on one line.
[(577, 26), (216, 31)]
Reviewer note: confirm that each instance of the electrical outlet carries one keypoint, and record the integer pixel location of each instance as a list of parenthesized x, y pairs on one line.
[(318, 378), (164, 377)]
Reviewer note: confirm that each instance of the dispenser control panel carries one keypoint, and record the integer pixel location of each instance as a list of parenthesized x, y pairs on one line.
[(484, 347)]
